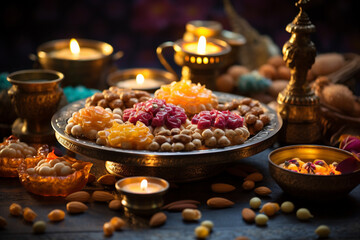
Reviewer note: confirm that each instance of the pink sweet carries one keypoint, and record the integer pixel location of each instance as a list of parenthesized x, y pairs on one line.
[(218, 119), (156, 112)]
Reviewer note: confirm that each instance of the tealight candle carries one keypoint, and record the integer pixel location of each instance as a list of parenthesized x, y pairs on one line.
[(202, 47), (142, 195), (74, 52), (140, 83)]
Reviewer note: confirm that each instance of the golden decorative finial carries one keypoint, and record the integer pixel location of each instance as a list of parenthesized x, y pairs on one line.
[(298, 105)]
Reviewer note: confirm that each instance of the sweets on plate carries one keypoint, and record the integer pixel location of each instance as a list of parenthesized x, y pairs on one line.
[(115, 97), (12, 152), (192, 97), (51, 175), (89, 120)]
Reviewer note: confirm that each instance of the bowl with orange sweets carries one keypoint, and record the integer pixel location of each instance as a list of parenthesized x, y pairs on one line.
[(313, 172), (12, 152), (52, 175)]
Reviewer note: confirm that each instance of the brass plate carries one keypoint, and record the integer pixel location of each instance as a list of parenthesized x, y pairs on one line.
[(182, 166)]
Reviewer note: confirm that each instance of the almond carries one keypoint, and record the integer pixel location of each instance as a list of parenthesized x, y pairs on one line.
[(91, 178), (80, 196), (76, 207), (256, 177), (115, 204), (222, 187), (102, 196), (157, 219), (107, 179), (248, 215), (181, 202), (181, 206), (56, 215), (218, 202), (262, 191), (248, 185)]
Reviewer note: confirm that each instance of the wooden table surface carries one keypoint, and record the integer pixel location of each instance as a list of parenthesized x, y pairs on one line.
[(343, 216)]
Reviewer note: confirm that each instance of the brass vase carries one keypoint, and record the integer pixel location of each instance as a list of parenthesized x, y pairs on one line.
[(35, 95)]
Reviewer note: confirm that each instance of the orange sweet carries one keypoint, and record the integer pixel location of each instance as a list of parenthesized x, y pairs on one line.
[(128, 136), (92, 117), (190, 96)]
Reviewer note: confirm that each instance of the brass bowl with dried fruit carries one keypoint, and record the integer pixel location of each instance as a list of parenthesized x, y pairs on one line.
[(53, 176), (312, 186)]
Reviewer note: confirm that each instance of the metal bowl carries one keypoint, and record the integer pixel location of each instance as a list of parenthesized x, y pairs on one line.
[(309, 186), (173, 166)]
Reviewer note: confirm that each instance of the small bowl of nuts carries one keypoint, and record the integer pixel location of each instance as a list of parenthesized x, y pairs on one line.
[(53, 175), (309, 172), (12, 152)]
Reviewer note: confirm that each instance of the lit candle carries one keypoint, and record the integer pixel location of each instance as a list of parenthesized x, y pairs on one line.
[(140, 83), (74, 52), (142, 195), (143, 187), (202, 47)]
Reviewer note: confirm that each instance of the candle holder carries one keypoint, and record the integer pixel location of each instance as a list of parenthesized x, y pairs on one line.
[(35, 95), (214, 29), (163, 77), (90, 72), (199, 68), (298, 104), (141, 203)]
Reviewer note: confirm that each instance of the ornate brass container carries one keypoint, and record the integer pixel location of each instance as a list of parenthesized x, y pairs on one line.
[(35, 95), (199, 68), (88, 72), (310, 186), (298, 105)]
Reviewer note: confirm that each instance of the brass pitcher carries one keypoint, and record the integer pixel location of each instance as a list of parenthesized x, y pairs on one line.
[(35, 95)]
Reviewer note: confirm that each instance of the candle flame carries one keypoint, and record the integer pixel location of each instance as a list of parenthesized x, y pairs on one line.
[(140, 79), (74, 46), (143, 185), (201, 49)]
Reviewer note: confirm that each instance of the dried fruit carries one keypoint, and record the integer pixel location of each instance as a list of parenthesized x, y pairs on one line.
[(102, 196), (80, 196), (255, 202), (117, 223), (202, 232), (248, 185), (3, 222), (323, 231), (207, 223), (262, 191), (261, 219), (56, 215), (157, 219), (256, 177), (39, 227), (15, 209), (76, 207), (218, 202), (222, 187), (188, 201), (287, 207), (217, 119), (270, 209), (180, 207), (115, 204), (248, 215), (108, 229), (29, 215), (189, 214), (303, 214), (107, 179), (91, 178)]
